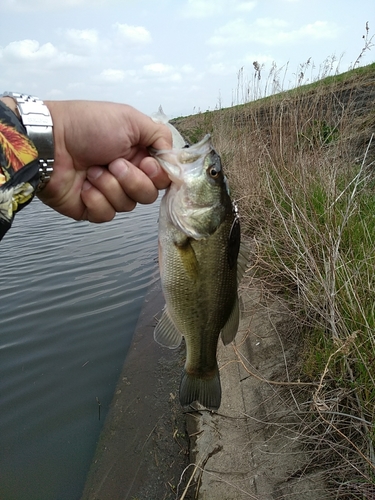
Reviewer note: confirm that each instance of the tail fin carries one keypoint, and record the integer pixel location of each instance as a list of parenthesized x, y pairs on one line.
[(207, 391)]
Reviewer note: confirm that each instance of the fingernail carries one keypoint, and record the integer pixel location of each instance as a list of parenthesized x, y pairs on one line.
[(86, 185), (151, 169), (118, 168), (94, 172)]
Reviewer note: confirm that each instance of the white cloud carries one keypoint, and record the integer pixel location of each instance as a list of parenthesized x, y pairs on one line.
[(82, 37), (208, 8), (112, 76), (187, 69), (31, 53), (246, 6), (236, 31), (270, 23), (129, 47), (29, 50), (66, 60), (82, 42), (320, 29), (158, 68), (203, 8), (165, 72), (134, 35), (175, 77), (35, 5), (270, 32)]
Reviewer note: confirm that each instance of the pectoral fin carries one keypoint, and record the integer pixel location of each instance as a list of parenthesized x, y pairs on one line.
[(231, 326), (188, 258), (166, 333)]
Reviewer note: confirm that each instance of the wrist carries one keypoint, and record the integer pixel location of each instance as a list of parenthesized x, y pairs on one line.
[(56, 110)]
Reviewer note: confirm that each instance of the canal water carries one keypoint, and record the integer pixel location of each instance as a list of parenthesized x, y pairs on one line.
[(70, 296)]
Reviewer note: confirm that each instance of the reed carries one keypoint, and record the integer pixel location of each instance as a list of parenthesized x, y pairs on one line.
[(300, 164), (305, 182)]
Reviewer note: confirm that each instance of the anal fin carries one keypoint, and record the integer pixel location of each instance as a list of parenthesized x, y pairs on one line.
[(166, 333)]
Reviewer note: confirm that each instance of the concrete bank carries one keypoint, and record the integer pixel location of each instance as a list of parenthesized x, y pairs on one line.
[(251, 448)]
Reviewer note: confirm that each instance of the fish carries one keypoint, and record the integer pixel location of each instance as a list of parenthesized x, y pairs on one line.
[(199, 243)]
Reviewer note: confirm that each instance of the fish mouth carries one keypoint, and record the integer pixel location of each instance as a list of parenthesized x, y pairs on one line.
[(176, 162)]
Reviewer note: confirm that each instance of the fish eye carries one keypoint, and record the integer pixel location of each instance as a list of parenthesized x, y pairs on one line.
[(213, 173)]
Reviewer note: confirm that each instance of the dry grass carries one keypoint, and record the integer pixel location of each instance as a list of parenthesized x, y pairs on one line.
[(301, 166)]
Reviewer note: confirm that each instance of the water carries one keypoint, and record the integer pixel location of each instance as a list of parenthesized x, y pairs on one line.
[(70, 296)]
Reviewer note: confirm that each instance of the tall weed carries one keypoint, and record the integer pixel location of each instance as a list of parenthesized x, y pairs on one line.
[(308, 199), (301, 166)]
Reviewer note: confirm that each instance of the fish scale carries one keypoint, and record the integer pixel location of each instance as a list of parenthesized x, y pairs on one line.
[(199, 240)]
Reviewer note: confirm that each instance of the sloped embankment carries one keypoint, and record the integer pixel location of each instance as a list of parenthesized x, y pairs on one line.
[(301, 165), (352, 92)]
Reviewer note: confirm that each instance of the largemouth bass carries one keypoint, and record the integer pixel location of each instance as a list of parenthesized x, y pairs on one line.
[(199, 241)]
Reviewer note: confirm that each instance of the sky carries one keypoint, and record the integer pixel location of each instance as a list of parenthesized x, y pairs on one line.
[(188, 56)]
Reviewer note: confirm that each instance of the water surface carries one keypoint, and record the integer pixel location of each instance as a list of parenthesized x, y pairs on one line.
[(71, 293)]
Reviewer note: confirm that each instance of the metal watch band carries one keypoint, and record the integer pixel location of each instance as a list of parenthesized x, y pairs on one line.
[(45, 172), (37, 120)]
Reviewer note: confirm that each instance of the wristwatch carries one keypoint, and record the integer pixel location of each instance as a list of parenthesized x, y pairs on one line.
[(37, 120)]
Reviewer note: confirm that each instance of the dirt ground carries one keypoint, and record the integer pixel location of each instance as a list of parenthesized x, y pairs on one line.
[(252, 448)]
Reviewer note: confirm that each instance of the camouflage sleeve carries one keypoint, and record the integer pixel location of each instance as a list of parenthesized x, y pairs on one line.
[(19, 168)]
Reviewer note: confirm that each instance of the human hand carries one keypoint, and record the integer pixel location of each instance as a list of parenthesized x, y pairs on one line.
[(102, 165)]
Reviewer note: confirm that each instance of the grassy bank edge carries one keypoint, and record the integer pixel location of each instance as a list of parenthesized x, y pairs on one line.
[(301, 166)]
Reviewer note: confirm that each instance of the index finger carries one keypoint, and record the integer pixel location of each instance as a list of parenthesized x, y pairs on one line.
[(163, 137), (150, 133)]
